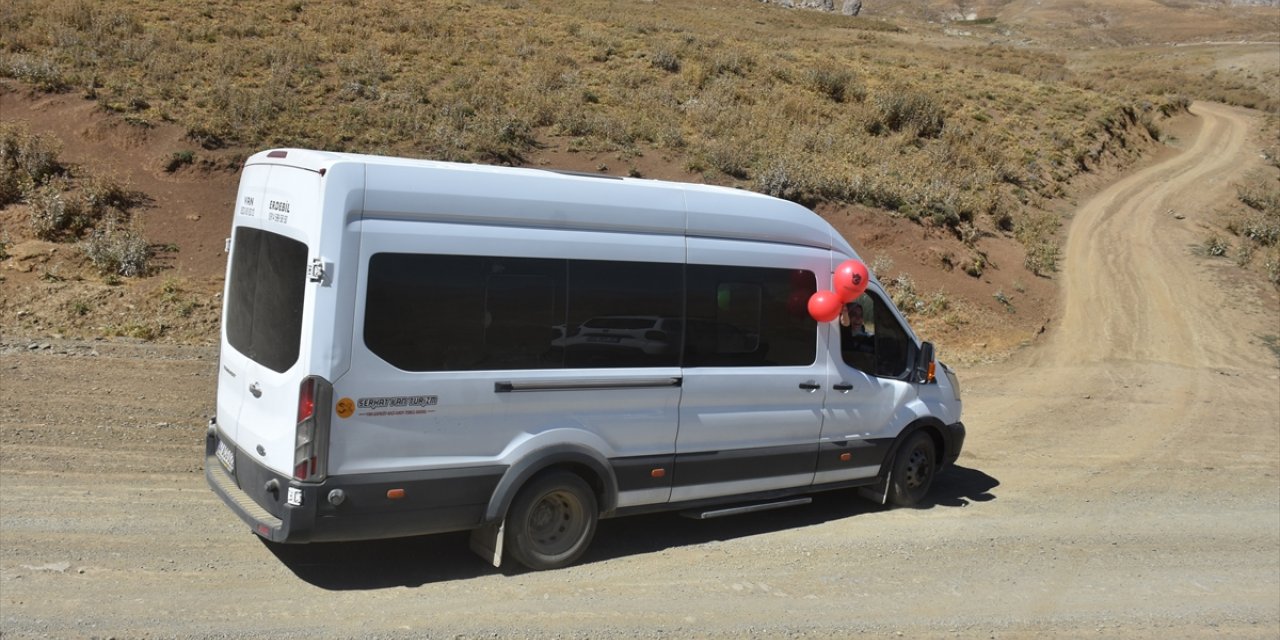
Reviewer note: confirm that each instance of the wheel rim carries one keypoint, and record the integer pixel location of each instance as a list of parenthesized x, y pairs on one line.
[(556, 522), (918, 468)]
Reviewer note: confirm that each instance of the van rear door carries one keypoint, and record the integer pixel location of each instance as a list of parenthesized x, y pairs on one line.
[(263, 362)]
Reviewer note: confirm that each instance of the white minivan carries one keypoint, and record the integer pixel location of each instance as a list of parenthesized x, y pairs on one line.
[(412, 347)]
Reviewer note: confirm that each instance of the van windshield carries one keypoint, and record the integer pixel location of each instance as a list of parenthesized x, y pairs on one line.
[(264, 301)]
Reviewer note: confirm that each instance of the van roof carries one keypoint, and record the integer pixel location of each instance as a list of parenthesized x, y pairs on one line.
[(401, 188)]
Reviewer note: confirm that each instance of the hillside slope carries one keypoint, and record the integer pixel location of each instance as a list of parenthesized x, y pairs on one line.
[(948, 157)]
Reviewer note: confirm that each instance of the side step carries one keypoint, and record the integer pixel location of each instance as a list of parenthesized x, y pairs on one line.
[(749, 508)]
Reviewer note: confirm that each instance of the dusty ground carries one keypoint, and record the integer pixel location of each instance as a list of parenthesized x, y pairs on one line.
[(1121, 479)]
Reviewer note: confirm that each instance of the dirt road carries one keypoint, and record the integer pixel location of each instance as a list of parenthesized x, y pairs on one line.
[(1121, 479)]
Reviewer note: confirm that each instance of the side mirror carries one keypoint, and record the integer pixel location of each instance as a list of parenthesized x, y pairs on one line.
[(925, 364)]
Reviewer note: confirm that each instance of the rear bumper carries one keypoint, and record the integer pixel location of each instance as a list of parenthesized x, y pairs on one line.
[(953, 436), (433, 501)]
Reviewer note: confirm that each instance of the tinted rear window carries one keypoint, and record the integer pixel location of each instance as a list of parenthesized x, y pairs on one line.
[(264, 302), (463, 313)]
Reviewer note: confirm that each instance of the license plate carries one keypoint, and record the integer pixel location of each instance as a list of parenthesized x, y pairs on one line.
[(226, 455)]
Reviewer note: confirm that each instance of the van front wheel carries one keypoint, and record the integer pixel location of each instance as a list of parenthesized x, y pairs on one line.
[(913, 470), (551, 521)]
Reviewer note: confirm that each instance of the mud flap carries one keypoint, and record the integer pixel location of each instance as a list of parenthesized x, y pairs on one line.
[(486, 542), (878, 492)]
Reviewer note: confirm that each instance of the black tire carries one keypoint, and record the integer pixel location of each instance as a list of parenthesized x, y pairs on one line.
[(551, 521), (913, 469)]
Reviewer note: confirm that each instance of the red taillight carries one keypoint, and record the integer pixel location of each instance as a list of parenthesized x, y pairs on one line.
[(305, 469), (311, 438), (307, 399)]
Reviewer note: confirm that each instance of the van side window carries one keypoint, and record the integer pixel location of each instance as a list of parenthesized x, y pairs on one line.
[(467, 313), (624, 314), (748, 316), (872, 340), (463, 313)]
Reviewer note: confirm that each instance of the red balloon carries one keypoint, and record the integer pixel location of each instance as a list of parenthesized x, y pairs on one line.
[(850, 280), (825, 306)]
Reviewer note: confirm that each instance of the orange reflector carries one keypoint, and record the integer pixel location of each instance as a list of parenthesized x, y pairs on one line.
[(264, 530), (395, 494), (658, 473), (845, 457), (932, 371)]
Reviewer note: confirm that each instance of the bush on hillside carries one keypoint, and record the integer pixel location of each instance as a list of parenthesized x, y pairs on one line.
[(900, 109), (118, 249)]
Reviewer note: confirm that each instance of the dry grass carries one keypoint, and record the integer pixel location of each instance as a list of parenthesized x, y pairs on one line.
[(1256, 225), (1136, 73), (803, 105)]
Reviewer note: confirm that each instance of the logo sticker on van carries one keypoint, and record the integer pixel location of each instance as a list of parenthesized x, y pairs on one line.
[(395, 406), (346, 407)]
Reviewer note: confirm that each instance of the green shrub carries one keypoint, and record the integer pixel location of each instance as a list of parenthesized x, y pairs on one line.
[(974, 266), (1215, 246), (880, 267), (104, 197), (1244, 254), (26, 161), (837, 84), (787, 180), (179, 159), (116, 249), (1037, 232), (41, 73), (1261, 193), (909, 110), (666, 60), (1042, 258), (56, 212), (730, 158), (11, 186)]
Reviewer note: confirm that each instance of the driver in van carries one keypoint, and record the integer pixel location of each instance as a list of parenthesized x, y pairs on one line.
[(851, 316)]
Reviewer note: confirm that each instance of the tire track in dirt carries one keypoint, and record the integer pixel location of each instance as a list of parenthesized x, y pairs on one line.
[(1124, 276), (1152, 394), (1148, 334)]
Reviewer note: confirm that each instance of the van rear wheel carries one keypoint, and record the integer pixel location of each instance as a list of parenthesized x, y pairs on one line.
[(913, 470), (551, 521)]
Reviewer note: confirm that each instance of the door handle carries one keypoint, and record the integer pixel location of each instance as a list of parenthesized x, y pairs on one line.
[(810, 386), (843, 387), (255, 390)]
